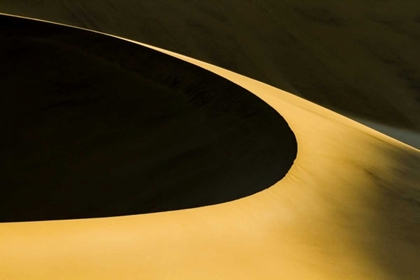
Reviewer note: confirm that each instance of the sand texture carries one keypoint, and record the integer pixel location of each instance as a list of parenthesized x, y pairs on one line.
[(348, 207)]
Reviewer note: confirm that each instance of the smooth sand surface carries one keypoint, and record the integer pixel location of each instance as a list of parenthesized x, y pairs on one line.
[(349, 208), (406, 136), (358, 57), (93, 126)]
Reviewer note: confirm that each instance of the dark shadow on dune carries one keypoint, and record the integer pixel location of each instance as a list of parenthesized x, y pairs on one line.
[(329, 52), (94, 126)]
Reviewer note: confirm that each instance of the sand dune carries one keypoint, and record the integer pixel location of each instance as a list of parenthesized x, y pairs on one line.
[(94, 127), (357, 57), (347, 209), (409, 137)]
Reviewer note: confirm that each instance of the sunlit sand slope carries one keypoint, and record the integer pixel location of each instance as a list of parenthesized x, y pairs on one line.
[(93, 126), (349, 208)]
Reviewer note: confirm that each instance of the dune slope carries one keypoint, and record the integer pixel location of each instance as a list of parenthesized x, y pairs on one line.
[(93, 126), (358, 57), (347, 209)]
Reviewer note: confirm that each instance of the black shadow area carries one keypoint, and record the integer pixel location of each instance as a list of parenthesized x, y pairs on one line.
[(93, 126)]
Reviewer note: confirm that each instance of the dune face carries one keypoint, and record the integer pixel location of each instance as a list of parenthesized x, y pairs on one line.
[(348, 208), (93, 126), (357, 57), (406, 136)]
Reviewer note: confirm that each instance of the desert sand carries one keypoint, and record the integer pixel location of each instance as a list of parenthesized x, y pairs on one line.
[(357, 57), (95, 127), (348, 208)]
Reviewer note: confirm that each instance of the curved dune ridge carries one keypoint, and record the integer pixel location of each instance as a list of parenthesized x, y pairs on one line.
[(342, 55), (349, 208), (95, 126)]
